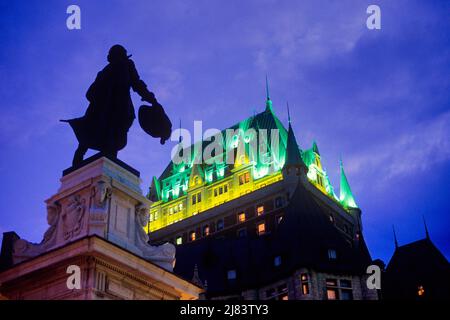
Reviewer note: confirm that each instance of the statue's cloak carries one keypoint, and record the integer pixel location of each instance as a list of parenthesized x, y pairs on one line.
[(110, 113)]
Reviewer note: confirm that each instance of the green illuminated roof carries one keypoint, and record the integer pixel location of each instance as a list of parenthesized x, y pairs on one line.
[(346, 195)]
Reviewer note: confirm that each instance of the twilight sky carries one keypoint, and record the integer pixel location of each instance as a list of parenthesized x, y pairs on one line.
[(379, 98)]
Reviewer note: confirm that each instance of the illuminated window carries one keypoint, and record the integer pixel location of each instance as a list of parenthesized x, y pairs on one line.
[(420, 291), (170, 210), (241, 217), (331, 218), (206, 231), (151, 217), (231, 274), (261, 228), (332, 294), (305, 288), (192, 235), (305, 283), (332, 290), (284, 297), (179, 240), (277, 261), (332, 254), (244, 178), (260, 210), (219, 225)]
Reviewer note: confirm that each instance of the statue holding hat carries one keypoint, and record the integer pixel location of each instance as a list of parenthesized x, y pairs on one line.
[(110, 113)]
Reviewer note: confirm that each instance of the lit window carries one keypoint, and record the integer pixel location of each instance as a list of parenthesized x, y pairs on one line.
[(331, 218), (420, 291), (151, 217), (332, 254), (277, 261), (170, 210), (284, 297), (305, 288), (206, 231), (305, 283), (261, 228), (192, 236), (219, 225), (241, 217), (231, 274), (332, 294), (179, 240), (260, 210), (244, 178)]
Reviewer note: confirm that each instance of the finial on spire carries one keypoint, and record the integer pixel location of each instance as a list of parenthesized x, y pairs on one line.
[(179, 139), (268, 101), (289, 115), (426, 228), (395, 237)]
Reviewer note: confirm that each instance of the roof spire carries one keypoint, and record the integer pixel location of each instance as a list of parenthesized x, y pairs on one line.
[(395, 237), (346, 195), (426, 228), (289, 115), (293, 157), (268, 101), (179, 139)]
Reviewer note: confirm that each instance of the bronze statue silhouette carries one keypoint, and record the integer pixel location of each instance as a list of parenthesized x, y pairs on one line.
[(110, 113)]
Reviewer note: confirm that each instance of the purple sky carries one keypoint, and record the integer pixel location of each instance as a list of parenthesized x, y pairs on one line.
[(378, 98)]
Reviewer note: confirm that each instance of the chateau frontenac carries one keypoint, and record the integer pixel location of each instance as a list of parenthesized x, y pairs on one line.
[(265, 226)]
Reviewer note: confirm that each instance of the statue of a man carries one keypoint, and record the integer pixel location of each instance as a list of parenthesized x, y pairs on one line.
[(110, 114)]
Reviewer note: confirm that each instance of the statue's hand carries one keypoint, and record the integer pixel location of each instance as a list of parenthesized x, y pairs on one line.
[(149, 97)]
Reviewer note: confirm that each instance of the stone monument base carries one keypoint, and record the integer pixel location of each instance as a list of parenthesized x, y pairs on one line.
[(96, 222)]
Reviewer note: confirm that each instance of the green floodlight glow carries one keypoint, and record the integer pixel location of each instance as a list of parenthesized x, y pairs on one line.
[(346, 195)]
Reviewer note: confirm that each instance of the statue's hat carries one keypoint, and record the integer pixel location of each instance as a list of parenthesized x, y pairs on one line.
[(155, 122)]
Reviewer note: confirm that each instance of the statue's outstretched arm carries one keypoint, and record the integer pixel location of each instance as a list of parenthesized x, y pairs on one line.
[(139, 86)]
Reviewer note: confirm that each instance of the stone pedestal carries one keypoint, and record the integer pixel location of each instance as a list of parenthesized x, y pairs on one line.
[(99, 212), (101, 198)]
